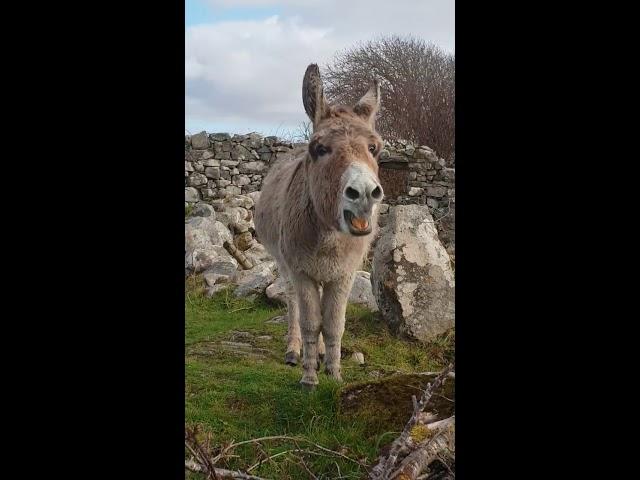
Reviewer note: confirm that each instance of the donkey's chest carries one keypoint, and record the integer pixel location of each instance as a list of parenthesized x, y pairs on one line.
[(331, 259)]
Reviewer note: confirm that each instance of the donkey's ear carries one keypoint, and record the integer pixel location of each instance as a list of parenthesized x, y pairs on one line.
[(313, 95), (368, 105)]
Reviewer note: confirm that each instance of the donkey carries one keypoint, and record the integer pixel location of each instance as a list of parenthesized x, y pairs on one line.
[(316, 215)]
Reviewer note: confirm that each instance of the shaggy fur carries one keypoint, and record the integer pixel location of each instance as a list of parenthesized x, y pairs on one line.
[(302, 220)]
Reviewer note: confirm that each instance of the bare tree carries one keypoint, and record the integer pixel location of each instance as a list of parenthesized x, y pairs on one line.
[(417, 84)]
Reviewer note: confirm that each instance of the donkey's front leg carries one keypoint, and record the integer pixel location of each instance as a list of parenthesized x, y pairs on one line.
[(294, 337), (334, 307), (310, 320)]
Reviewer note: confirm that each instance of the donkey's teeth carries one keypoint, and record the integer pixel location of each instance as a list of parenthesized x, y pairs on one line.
[(359, 223)]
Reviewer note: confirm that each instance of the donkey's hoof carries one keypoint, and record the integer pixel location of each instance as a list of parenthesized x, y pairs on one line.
[(321, 357), (308, 387), (291, 358)]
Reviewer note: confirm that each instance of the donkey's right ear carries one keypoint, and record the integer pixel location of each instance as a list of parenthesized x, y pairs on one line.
[(313, 95)]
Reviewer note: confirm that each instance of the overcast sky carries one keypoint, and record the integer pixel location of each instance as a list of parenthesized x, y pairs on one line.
[(245, 59)]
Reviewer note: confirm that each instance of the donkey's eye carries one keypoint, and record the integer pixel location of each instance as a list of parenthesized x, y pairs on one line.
[(372, 148), (321, 150)]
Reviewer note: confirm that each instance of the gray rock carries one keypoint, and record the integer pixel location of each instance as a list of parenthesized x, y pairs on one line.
[(422, 153), (277, 291), (384, 208), (362, 293), (229, 216), (203, 210), (220, 271), (244, 201), (412, 277), (206, 155), (191, 195), (241, 180), (232, 190), (218, 137), (415, 191), (200, 141), (238, 152), (188, 167), (212, 172), (435, 191), (258, 254), (216, 231), (213, 162), (278, 320), (254, 167), (251, 283), (196, 179), (201, 254)]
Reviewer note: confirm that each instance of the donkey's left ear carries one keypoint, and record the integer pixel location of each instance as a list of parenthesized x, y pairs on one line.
[(368, 105)]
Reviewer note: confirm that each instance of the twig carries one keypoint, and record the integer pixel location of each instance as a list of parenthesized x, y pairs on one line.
[(191, 442), (304, 465), (286, 437), (223, 472), (258, 464), (240, 309)]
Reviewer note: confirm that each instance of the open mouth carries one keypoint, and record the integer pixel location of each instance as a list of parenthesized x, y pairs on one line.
[(357, 226)]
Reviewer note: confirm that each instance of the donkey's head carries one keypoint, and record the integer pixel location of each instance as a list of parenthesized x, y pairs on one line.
[(341, 165)]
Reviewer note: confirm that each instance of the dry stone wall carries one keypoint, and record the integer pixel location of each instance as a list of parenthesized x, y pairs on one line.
[(218, 165)]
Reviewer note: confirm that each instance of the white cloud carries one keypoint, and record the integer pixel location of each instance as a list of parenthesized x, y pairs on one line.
[(250, 72)]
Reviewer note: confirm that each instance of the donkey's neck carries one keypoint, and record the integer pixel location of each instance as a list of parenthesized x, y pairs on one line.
[(316, 221)]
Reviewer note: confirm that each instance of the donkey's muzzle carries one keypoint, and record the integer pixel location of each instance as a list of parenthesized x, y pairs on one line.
[(357, 225)]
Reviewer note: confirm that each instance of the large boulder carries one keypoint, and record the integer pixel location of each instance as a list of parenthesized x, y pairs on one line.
[(412, 277)]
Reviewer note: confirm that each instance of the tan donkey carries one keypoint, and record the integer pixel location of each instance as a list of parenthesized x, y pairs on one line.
[(316, 215)]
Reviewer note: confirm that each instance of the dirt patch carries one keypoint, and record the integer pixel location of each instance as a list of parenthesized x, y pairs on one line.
[(385, 404)]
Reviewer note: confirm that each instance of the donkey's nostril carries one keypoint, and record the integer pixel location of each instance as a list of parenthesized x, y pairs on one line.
[(351, 193), (377, 193)]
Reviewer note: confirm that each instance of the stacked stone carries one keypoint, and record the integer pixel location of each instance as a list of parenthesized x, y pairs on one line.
[(218, 165), (430, 180)]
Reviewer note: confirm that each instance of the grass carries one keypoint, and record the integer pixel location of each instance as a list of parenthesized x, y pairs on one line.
[(188, 210), (235, 397)]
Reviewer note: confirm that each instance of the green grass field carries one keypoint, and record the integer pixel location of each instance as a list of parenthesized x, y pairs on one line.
[(235, 396)]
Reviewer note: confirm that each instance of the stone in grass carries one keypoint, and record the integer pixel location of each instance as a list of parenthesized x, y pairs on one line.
[(358, 357), (277, 320)]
